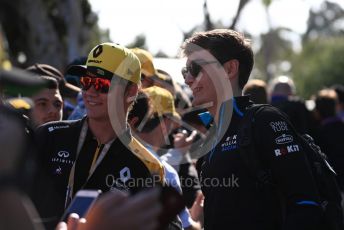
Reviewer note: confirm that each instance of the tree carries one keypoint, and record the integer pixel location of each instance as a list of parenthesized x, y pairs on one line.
[(242, 4), (47, 31), (319, 65), (326, 22), (273, 53), (139, 42), (208, 24)]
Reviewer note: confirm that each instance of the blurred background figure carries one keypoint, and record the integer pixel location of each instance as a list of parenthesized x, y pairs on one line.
[(340, 94), (329, 134), (148, 71), (257, 91), (283, 96), (181, 99), (79, 110)]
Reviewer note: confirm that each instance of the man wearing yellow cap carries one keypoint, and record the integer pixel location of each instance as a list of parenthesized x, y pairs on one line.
[(147, 67), (152, 119), (98, 151)]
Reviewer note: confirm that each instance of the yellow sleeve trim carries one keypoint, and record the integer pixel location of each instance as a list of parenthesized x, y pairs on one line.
[(152, 163)]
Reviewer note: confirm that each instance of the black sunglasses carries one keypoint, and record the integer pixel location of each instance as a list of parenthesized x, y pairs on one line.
[(195, 68)]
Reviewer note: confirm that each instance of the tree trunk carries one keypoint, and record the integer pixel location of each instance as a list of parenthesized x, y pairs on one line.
[(70, 11), (43, 44)]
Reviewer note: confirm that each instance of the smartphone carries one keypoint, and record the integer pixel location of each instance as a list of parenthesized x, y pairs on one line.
[(81, 203), (172, 202)]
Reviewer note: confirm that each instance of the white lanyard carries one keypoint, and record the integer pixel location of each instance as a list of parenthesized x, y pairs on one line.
[(82, 137)]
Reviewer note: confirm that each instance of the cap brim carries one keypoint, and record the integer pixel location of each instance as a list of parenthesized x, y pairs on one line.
[(76, 70), (69, 90), (16, 81), (160, 76)]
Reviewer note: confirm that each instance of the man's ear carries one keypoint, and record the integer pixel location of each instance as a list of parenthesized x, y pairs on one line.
[(232, 68)]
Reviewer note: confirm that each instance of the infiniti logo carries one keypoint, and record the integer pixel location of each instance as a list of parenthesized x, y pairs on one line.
[(63, 154)]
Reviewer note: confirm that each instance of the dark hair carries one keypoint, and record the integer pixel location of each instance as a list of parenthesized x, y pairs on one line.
[(141, 109), (340, 92), (50, 74), (257, 91), (47, 70), (51, 82), (325, 103), (224, 45)]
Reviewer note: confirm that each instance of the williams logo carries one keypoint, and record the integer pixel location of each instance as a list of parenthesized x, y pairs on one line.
[(229, 144), (284, 139)]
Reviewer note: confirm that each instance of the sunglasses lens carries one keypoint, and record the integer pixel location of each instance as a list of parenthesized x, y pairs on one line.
[(103, 85), (100, 84), (193, 69), (85, 83)]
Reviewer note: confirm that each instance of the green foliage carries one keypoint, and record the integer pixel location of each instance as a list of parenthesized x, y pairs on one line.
[(325, 22), (319, 65), (267, 2), (139, 42)]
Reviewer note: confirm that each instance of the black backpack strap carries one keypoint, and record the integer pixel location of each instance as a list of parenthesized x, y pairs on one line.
[(246, 146)]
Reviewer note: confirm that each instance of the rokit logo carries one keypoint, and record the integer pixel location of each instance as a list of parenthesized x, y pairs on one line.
[(284, 139), (288, 149), (279, 126), (62, 157)]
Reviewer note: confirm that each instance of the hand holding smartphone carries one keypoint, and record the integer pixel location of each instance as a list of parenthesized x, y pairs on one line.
[(81, 203)]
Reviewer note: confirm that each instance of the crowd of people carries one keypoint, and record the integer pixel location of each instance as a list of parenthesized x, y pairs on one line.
[(115, 122)]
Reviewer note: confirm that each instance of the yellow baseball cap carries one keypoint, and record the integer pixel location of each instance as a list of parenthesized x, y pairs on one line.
[(162, 101), (146, 59), (109, 59)]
